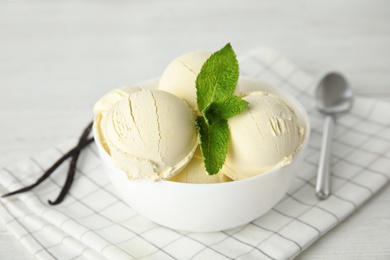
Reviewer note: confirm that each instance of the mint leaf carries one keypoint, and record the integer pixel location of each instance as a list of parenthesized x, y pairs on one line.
[(215, 85), (228, 108), (218, 77), (213, 143)]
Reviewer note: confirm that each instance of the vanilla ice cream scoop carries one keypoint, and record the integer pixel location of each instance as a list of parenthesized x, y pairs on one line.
[(264, 136), (195, 172), (150, 134), (106, 102), (103, 105), (180, 76)]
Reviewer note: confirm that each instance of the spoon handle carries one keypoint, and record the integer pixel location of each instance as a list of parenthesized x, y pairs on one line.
[(323, 176)]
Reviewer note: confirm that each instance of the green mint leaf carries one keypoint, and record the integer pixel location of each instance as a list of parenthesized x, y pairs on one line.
[(215, 86), (213, 143), (230, 107), (218, 77), (211, 113)]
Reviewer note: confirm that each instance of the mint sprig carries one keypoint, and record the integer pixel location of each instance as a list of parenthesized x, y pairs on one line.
[(215, 86)]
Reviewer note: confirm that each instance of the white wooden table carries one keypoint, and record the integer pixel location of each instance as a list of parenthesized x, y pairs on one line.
[(57, 59)]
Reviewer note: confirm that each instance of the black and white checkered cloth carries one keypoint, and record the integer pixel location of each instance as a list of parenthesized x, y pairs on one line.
[(93, 223)]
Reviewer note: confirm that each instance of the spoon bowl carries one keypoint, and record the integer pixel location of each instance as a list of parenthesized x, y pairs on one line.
[(333, 96)]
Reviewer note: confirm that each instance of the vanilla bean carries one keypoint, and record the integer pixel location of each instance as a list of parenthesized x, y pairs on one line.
[(69, 180), (72, 168), (49, 171)]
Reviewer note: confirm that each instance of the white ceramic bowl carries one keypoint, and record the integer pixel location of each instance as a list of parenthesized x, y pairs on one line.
[(210, 207)]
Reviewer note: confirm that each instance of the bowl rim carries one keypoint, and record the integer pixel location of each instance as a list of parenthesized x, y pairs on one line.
[(297, 105)]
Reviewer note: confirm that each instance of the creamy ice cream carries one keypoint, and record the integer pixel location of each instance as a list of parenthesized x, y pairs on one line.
[(103, 105), (195, 172), (262, 137), (180, 76), (150, 134), (106, 102)]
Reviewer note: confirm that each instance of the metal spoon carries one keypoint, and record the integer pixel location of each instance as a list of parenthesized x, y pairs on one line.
[(333, 96)]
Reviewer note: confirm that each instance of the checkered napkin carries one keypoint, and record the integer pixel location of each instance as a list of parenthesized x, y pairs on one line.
[(94, 223)]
